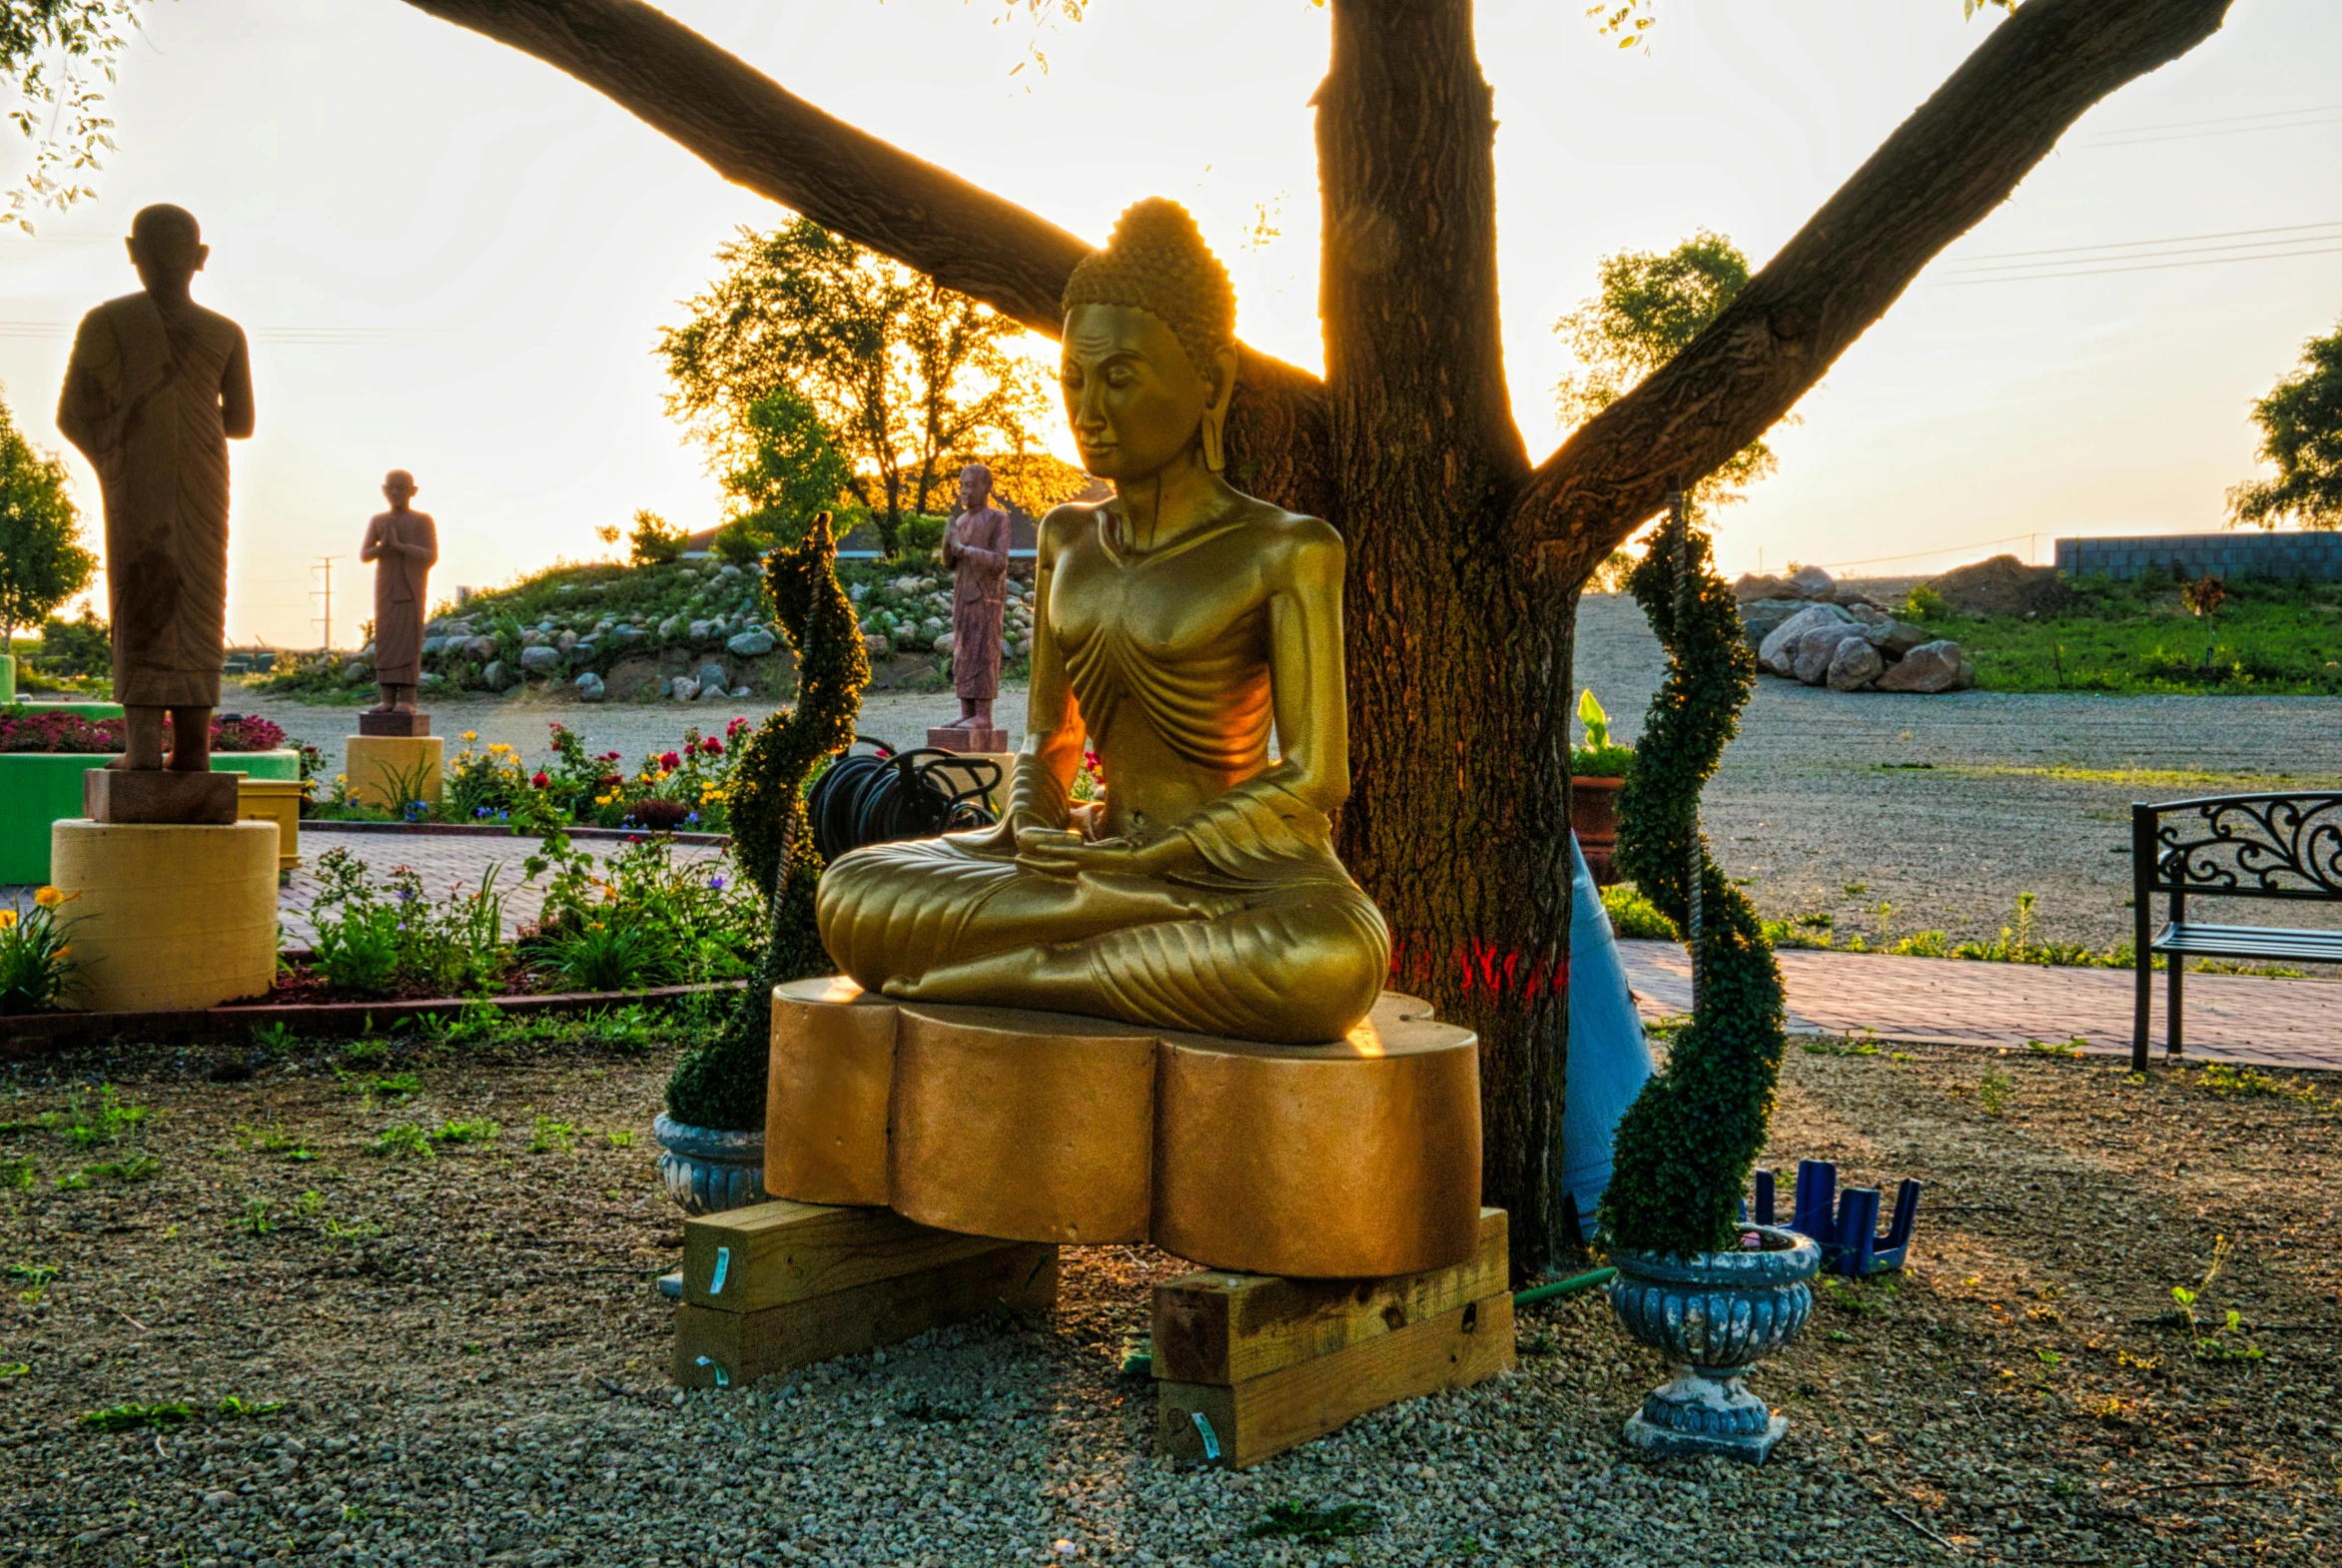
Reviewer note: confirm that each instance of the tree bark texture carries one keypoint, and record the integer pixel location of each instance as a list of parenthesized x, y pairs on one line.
[(1457, 659), (1465, 562)]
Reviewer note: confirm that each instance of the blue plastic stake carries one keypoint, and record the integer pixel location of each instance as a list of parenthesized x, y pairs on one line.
[(1211, 1439)]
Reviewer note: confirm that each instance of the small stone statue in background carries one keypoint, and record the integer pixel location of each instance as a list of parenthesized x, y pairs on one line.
[(156, 389), (976, 547), (404, 545)]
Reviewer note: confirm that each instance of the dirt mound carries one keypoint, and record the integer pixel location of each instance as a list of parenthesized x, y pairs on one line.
[(2004, 585)]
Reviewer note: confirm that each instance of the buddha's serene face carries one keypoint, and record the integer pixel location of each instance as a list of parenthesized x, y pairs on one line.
[(398, 489), (1132, 396)]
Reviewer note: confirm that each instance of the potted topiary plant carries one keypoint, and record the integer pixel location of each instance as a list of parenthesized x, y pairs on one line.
[(1598, 771), (1712, 1295), (712, 1131)]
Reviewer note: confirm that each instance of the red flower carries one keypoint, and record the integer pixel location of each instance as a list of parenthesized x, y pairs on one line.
[(735, 727), (712, 746), (609, 756), (610, 779), (670, 761), (540, 781)]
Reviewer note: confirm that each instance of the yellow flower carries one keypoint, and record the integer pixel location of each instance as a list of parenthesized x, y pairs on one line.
[(470, 735), (48, 898), (7, 920), (495, 746)]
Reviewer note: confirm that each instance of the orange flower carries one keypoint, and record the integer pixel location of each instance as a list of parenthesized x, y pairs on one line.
[(48, 898)]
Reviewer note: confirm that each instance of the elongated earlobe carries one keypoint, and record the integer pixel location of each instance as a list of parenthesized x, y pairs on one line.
[(1214, 453)]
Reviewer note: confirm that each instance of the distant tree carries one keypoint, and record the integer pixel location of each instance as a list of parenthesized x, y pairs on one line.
[(899, 368), (1031, 480), (2301, 432), (655, 542), (1651, 305), (42, 562), (796, 473)]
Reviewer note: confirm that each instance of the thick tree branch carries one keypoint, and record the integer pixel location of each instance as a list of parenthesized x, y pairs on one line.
[(1949, 166), (758, 134)]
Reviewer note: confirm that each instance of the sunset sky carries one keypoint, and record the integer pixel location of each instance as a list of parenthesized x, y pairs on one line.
[(452, 259)]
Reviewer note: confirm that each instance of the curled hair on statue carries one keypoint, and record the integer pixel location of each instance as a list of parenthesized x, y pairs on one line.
[(1156, 262)]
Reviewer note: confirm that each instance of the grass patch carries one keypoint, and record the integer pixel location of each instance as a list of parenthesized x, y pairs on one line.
[(2161, 778), (2137, 638), (1299, 1523), (174, 1412)]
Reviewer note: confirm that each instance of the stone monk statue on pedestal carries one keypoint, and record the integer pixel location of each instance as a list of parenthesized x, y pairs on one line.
[(156, 389), (403, 545)]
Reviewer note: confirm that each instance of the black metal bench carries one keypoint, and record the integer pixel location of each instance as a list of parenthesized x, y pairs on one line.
[(2286, 846)]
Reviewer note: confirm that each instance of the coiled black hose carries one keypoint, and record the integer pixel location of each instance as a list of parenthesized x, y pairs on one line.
[(880, 796)]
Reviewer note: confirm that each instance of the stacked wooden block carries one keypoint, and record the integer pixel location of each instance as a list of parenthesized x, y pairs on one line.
[(1249, 1365), (781, 1286)]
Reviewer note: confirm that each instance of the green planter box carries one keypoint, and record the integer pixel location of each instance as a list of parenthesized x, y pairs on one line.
[(80, 710), (41, 787)]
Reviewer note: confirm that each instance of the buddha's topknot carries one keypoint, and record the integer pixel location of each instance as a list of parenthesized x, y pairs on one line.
[(1156, 262)]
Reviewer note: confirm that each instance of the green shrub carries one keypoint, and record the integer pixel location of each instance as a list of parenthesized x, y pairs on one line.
[(1635, 918), (1924, 603), (720, 1084), (1685, 1147)]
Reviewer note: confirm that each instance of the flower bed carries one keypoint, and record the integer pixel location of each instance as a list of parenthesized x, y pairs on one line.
[(40, 777), (682, 789)]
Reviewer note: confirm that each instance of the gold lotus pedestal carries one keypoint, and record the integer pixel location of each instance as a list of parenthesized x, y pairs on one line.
[(928, 1160)]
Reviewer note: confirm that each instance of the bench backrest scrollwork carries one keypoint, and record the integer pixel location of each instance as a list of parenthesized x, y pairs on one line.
[(2275, 846)]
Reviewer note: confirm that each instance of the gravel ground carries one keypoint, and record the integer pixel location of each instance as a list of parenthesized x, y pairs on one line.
[(1940, 808), (482, 1381)]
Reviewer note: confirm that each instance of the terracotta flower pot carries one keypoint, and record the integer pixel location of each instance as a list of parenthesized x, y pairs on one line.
[(1593, 816)]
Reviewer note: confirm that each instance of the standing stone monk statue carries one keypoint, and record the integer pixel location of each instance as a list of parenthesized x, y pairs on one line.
[(403, 545), (157, 388), (976, 546)]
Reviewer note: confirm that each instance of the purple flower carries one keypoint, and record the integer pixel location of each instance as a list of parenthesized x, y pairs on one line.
[(715, 884), (691, 816)]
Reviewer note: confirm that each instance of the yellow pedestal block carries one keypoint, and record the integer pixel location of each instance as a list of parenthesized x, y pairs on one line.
[(1357, 1157), (169, 915), (278, 801), (386, 771)]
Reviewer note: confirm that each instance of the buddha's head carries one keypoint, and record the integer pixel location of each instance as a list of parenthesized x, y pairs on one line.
[(399, 487), (167, 247), (1150, 358)]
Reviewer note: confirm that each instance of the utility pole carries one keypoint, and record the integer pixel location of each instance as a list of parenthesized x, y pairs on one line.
[(324, 564)]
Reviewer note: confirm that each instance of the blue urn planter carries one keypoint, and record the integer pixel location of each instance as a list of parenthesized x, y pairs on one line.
[(707, 1171), (1714, 1315)]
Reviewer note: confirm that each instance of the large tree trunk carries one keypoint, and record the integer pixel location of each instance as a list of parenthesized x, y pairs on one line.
[(1458, 661)]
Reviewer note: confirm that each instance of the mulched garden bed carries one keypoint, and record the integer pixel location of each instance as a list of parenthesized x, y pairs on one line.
[(470, 1349)]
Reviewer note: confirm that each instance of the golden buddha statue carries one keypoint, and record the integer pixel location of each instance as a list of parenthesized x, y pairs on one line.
[(1177, 625)]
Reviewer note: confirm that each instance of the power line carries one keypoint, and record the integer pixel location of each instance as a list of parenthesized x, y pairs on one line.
[(2158, 267), (1949, 549), (2231, 119), (2177, 239)]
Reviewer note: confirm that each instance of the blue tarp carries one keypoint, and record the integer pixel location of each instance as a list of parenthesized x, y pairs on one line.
[(1609, 1061)]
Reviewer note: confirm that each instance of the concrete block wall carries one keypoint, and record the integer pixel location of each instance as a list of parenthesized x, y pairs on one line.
[(2315, 557)]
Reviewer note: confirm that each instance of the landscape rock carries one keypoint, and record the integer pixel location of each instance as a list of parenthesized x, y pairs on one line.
[(494, 676), (1930, 667), (589, 687), (943, 644), (1854, 665), (1815, 649), (540, 659), (714, 693), (356, 672), (697, 631), (1778, 652), (1868, 611), (753, 644), (432, 647), (711, 673), (1751, 588), (1895, 639), (1812, 582), (2004, 585), (625, 637), (683, 688), (669, 627), (482, 648), (877, 646), (1758, 618), (1852, 600), (583, 650), (566, 641)]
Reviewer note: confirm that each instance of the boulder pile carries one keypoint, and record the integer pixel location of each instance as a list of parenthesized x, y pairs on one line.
[(1805, 627)]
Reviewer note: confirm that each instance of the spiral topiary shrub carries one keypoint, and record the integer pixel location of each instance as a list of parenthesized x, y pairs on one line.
[(1685, 1147), (721, 1083)]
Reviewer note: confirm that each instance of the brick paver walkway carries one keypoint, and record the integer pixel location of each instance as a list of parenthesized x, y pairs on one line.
[(2228, 1017)]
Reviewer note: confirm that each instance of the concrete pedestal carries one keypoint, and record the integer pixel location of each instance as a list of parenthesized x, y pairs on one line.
[(170, 915), (278, 801), (982, 742), (386, 771)]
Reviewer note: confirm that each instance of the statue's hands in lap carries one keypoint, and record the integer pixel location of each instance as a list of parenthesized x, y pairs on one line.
[(1057, 852)]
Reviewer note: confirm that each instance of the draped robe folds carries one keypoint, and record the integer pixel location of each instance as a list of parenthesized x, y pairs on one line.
[(143, 401), (1267, 937), (399, 591), (977, 546)]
